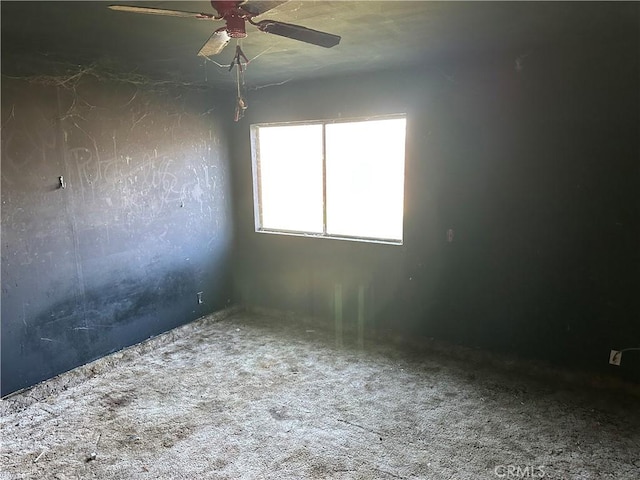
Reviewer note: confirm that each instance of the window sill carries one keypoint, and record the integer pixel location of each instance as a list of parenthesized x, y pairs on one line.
[(331, 237)]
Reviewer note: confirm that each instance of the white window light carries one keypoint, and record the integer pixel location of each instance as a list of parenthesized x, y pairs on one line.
[(338, 179)]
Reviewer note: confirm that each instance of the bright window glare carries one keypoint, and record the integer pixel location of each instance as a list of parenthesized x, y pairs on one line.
[(342, 179), (365, 178), (290, 166)]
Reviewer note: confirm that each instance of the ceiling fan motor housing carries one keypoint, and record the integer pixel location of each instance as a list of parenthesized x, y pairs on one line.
[(233, 15), (236, 26)]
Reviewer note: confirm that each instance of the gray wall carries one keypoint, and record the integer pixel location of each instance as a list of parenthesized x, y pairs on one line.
[(143, 224), (537, 171)]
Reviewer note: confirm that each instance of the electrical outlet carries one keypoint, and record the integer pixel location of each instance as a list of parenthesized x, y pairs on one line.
[(615, 357), (200, 301)]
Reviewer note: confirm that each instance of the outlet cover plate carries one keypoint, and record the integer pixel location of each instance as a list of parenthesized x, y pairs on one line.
[(615, 357)]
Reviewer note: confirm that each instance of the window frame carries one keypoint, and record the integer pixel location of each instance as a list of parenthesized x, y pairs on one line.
[(256, 174)]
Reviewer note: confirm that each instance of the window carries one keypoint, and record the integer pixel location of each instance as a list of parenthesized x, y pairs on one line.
[(342, 179)]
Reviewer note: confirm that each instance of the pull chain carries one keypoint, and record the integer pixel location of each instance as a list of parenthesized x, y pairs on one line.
[(241, 104)]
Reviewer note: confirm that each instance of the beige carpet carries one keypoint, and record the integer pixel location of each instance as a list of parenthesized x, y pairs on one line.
[(253, 396)]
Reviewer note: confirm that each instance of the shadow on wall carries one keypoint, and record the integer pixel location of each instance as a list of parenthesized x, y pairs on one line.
[(536, 172), (141, 226)]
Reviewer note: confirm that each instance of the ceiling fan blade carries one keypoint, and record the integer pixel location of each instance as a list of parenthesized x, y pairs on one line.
[(297, 32), (161, 11), (215, 44), (259, 7)]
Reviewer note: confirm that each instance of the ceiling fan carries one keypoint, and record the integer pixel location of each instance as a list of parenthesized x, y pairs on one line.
[(235, 15)]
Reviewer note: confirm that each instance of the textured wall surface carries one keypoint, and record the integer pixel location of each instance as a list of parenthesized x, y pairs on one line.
[(141, 226), (531, 160)]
